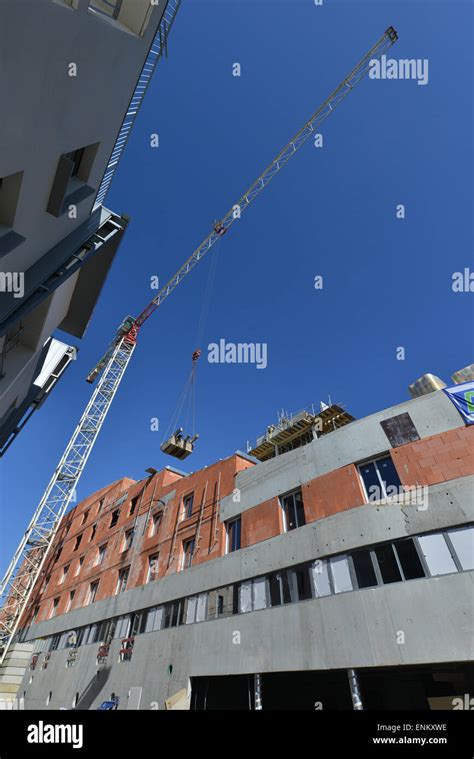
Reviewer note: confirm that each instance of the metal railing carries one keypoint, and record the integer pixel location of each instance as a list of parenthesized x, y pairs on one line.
[(158, 46)]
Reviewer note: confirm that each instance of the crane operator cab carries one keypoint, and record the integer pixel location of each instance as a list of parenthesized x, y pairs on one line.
[(178, 445)]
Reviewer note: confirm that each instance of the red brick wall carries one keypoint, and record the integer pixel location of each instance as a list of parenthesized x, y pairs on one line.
[(437, 458)]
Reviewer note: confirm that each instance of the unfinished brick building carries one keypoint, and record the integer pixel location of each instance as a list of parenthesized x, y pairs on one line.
[(311, 578)]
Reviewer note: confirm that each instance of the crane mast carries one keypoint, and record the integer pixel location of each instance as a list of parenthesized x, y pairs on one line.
[(27, 563)]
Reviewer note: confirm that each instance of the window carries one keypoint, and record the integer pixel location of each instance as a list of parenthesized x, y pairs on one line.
[(154, 619), (195, 609), (70, 181), (293, 511), (122, 580), (79, 565), (152, 573), (131, 14), (341, 576), (222, 602), (54, 607), (10, 188), (364, 569), (84, 517), (155, 523), (101, 554), (380, 478), (188, 553), (253, 595), (115, 517), (58, 553), (437, 554), (388, 565), (319, 571), (300, 584), (233, 535), (46, 582), (409, 559), (128, 540), (93, 588), (279, 588), (173, 614), (35, 613), (69, 601), (78, 542), (462, 540), (133, 506), (188, 501), (101, 505), (93, 532), (65, 571)]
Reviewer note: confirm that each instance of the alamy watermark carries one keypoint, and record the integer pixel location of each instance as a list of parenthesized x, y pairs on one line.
[(403, 68), (403, 495), (13, 282), (238, 353)]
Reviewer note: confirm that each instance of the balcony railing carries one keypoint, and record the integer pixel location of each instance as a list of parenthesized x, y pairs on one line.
[(158, 46)]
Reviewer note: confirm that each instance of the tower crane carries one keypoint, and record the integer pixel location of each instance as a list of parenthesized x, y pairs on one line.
[(26, 565)]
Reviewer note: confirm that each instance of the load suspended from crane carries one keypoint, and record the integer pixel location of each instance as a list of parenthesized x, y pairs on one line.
[(179, 445), (29, 558)]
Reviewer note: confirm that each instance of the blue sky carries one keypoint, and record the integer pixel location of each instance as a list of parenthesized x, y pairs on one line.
[(330, 212)]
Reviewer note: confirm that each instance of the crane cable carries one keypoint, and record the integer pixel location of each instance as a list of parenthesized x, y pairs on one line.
[(189, 390)]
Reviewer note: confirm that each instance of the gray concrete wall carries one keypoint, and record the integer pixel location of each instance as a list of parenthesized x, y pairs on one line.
[(364, 438), (357, 629)]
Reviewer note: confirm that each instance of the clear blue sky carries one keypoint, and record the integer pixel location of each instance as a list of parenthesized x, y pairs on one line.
[(331, 212)]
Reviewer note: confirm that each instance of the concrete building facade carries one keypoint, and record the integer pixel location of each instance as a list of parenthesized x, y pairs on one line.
[(337, 571), (69, 70)]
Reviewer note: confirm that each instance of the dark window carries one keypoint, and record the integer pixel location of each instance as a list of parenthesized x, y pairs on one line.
[(156, 519), (188, 553), (188, 505), (84, 517), (101, 503), (94, 530), (78, 542), (279, 588), (400, 430), (409, 559), (380, 478), (294, 510), (76, 157), (115, 517), (172, 615), (128, 540), (58, 553), (301, 584), (122, 580), (388, 564), (233, 535), (133, 506), (364, 569)]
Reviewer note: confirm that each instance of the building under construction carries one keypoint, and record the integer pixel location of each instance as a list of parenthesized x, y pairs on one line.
[(333, 571)]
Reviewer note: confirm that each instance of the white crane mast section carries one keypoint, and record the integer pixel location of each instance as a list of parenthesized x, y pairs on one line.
[(27, 563)]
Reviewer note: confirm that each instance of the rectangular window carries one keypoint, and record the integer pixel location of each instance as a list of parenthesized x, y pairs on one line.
[(380, 478), (133, 506), (293, 510), (128, 540), (46, 582), (233, 535), (221, 602), (155, 523), (300, 585), (69, 601), (409, 560), (388, 565), (253, 595), (101, 554), (84, 517), (93, 588), (320, 578), (78, 542), (462, 539), (93, 532), (58, 553), (188, 553), (364, 569), (101, 505), (54, 607), (79, 565), (188, 501), (341, 576), (152, 573), (154, 619), (279, 588), (437, 554), (35, 614), (115, 517), (122, 580), (173, 614), (65, 571), (70, 180)]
